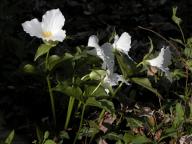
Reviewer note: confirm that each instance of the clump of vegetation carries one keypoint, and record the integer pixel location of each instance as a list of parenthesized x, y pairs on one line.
[(100, 81)]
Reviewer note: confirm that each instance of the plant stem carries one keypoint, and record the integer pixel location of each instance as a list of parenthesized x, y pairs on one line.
[(52, 99), (81, 122), (69, 111), (50, 90)]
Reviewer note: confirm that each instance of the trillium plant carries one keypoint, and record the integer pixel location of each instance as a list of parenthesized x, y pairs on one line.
[(95, 73)]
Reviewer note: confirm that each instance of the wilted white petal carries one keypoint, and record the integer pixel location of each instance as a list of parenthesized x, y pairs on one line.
[(104, 52), (59, 36), (108, 56), (162, 61), (53, 21), (33, 28), (123, 43)]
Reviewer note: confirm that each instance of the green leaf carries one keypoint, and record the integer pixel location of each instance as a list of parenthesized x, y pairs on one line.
[(42, 49), (64, 135), (74, 91), (135, 139), (169, 132), (97, 74), (179, 115), (46, 135), (178, 73), (99, 92), (54, 60), (113, 136), (10, 137), (176, 19), (49, 142), (133, 123), (28, 68), (144, 82), (127, 66), (103, 104)]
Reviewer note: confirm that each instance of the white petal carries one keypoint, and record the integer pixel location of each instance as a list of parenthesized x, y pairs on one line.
[(123, 44), (108, 56), (163, 59), (113, 79), (59, 36), (33, 27), (53, 21), (93, 41)]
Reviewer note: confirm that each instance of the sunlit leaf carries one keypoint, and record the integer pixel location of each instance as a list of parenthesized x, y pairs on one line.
[(49, 142), (176, 19), (113, 136), (97, 74), (42, 49), (179, 115), (103, 104), (135, 139), (28, 68), (10, 137), (90, 91)]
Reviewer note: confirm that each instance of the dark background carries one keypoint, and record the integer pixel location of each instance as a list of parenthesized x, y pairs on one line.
[(23, 98)]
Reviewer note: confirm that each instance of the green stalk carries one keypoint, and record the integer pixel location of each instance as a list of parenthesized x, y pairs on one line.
[(50, 90), (69, 111), (52, 99), (81, 122)]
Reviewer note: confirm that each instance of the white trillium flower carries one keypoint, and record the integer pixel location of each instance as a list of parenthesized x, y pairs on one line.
[(49, 29), (122, 43), (162, 61), (105, 53)]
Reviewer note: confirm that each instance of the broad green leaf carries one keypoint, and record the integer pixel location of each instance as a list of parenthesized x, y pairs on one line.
[(135, 139), (176, 19), (140, 140), (97, 74), (179, 115), (169, 132), (88, 132), (188, 52), (103, 104), (49, 142), (99, 91), (64, 135), (144, 82), (75, 92), (53, 60), (133, 123), (28, 68), (42, 49), (113, 136), (127, 66), (10, 137), (178, 73), (46, 135)]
